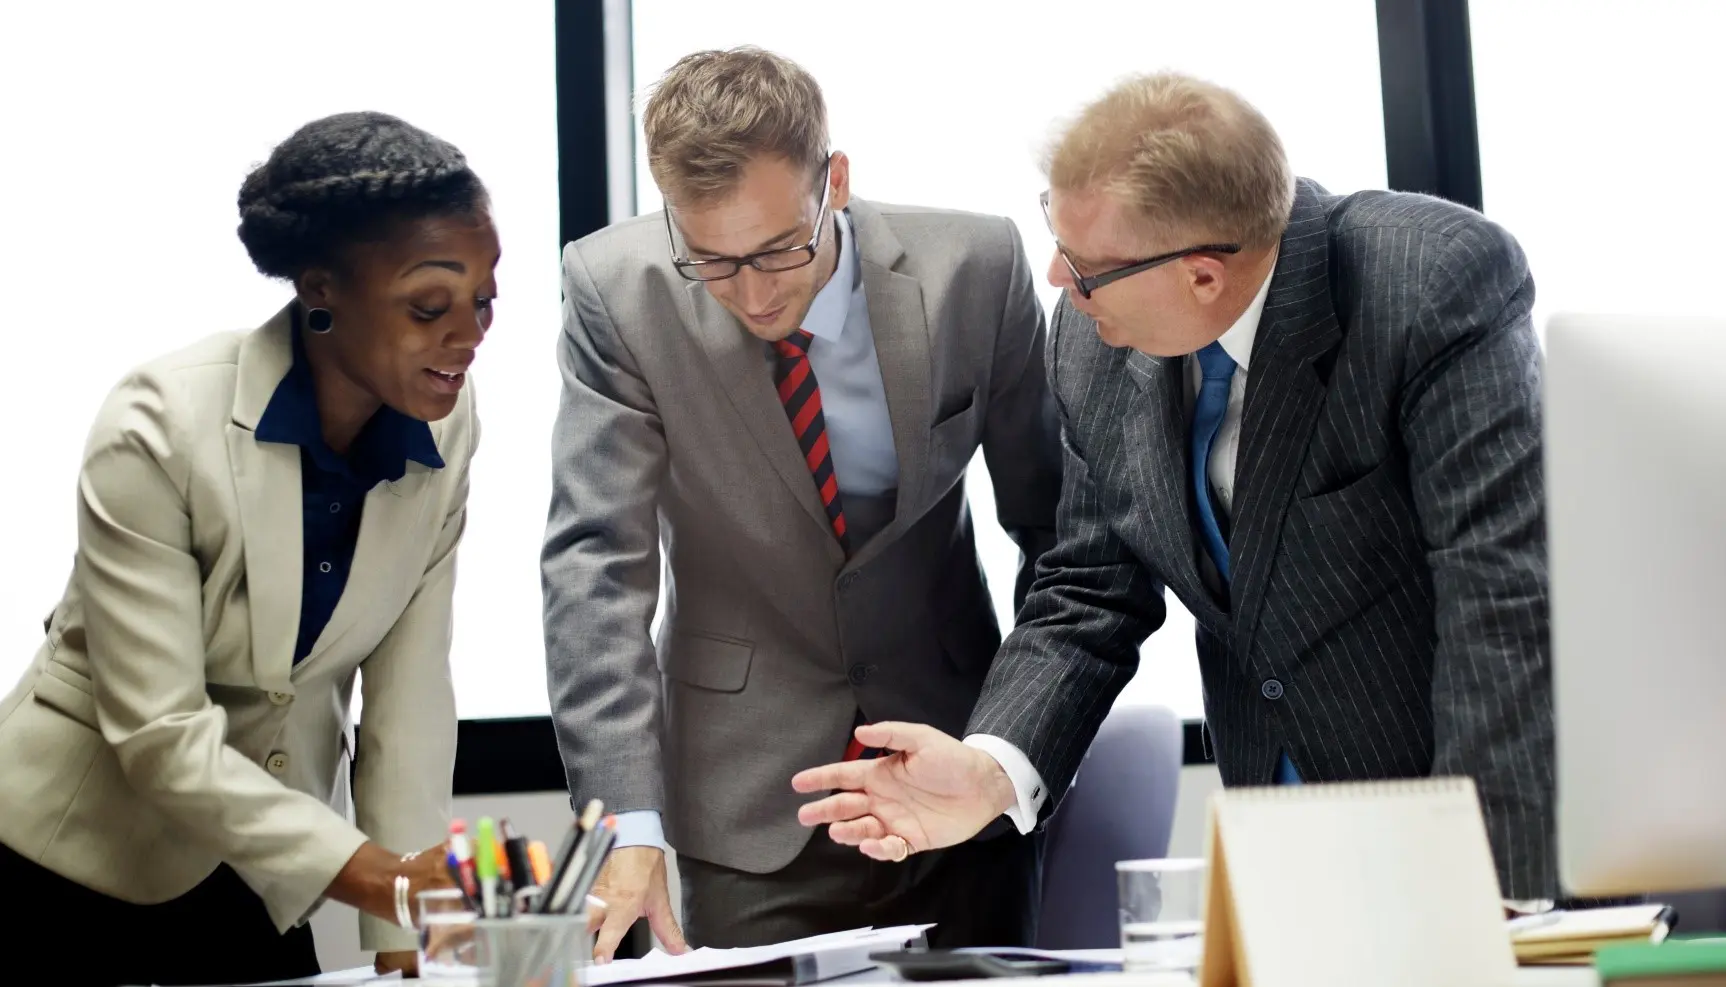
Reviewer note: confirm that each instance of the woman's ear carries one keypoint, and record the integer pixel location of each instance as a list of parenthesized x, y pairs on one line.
[(315, 287)]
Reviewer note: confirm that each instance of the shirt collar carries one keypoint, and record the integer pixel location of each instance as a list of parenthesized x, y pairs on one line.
[(827, 313), (1238, 341), (382, 450)]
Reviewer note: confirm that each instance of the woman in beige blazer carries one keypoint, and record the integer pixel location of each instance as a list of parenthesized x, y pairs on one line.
[(261, 516)]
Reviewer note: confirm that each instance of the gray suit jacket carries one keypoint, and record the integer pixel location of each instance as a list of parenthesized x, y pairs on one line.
[(1388, 613), (670, 436)]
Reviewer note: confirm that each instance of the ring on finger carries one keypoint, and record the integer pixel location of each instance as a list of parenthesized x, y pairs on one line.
[(904, 846)]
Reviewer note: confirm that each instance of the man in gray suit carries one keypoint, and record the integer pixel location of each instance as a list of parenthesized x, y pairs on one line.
[(781, 386), (1316, 419)]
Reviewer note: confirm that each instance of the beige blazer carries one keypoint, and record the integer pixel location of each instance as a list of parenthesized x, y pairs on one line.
[(163, 728)]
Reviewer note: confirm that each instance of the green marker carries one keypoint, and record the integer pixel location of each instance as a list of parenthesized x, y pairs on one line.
[(485, 866)]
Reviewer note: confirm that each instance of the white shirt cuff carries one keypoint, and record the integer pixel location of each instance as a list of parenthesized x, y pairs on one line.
[(640, 827), (1028, 785)]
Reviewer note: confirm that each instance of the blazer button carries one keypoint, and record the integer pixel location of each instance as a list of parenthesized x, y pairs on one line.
[(859, 673), (1271, 689), (277, 763), (280, 699), (848, 580)]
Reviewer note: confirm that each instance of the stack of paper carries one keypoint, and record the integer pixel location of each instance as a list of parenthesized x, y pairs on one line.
[(1571, 938), (801, 961)]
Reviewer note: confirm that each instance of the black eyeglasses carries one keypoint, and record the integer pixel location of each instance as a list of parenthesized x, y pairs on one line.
[(1089, 285), (767, 261)]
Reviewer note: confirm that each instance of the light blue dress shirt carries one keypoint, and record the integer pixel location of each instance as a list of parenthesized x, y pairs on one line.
[(859, 430), (853, 398)]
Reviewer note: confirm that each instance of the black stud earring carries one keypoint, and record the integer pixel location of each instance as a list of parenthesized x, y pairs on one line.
[(319, 320)]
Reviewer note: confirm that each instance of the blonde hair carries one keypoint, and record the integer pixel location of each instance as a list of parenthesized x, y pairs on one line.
[(715, 111), (1187, 158)]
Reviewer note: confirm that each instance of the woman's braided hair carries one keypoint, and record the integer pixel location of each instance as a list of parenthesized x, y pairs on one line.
[(343, 179)]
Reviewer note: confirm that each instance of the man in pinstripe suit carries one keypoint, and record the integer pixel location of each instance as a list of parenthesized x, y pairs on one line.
[(1316, 420)]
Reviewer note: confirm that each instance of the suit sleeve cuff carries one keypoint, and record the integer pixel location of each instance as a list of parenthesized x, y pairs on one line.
[(640, 827), (1028, 788)]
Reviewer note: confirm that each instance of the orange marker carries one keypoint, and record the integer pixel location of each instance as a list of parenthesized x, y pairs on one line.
[(539, 860)]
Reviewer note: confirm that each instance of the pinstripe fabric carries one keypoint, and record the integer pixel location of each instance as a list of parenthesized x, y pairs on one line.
[(1388, 542)]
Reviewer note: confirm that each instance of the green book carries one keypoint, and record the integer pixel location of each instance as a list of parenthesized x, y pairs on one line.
[(1675, 958)]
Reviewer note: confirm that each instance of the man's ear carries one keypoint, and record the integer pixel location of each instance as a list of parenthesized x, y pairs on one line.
[(839, 178), (1206, 277)]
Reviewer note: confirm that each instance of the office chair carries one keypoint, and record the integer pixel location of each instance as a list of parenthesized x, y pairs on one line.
[(1121, 807)]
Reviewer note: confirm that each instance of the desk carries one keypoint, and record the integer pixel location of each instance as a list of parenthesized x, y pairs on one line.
[(1525, 977), (1533, 976)]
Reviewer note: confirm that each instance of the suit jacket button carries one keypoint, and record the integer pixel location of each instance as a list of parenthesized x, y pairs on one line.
[(280, 698), (1271, 689), (277, 763), (859, 673), (848, 580)]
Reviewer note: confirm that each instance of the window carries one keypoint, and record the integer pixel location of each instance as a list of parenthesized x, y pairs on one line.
[(1601, 155), (949, 105), (125, 151)]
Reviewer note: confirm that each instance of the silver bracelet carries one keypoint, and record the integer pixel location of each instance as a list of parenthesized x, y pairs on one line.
[(404, 917)]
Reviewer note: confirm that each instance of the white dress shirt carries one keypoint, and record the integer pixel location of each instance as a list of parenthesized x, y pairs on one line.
[(859, 431), (1027, 782)]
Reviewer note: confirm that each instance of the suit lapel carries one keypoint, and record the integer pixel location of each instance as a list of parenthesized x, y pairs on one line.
[(1157, 439), (267, 484), (1284, 397), (901, 330), (740, 362)]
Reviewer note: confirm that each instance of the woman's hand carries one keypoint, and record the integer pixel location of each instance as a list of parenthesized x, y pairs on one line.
[(407, 961), (426, 870), (368, 880)]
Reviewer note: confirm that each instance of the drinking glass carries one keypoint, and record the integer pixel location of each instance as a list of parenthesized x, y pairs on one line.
[(1162, 915)]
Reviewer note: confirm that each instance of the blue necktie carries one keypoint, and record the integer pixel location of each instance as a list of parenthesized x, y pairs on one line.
[(1218, 370)]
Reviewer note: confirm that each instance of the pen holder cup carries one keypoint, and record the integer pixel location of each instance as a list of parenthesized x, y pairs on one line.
[(534, 950), (447, 937)]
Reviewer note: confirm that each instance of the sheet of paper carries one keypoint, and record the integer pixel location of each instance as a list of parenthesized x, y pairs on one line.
[(356, 977), (658, 965)]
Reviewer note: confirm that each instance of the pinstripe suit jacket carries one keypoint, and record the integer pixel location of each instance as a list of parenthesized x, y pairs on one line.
[(1388, 612)]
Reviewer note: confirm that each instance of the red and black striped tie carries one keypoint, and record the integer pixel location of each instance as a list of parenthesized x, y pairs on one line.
[(802, 399)]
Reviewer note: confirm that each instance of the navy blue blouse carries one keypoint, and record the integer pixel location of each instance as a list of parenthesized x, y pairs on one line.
[(333, 488)]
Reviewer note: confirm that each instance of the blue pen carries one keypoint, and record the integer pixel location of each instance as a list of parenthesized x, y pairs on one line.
[(454, 864)]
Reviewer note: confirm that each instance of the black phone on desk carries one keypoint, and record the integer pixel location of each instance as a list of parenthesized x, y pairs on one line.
[(947, 964)]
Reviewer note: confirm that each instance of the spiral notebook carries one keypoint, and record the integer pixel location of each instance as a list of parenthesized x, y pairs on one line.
[(1353, 885)]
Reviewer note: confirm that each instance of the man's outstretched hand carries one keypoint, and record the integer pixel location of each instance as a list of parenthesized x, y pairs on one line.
[(931, 792)]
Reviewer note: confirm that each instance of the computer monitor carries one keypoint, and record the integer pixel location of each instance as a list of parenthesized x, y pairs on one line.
[(1636, 507)]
